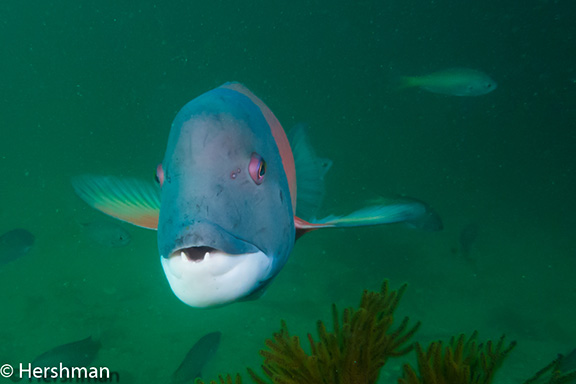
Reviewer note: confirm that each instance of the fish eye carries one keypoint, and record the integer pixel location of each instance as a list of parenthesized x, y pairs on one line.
[(159, 174), (257, 168)]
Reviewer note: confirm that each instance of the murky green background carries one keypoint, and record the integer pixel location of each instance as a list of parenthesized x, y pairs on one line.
[(92, 86)]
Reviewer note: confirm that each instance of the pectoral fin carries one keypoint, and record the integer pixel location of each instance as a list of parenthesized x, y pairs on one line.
[(413, 212), (131, 200)]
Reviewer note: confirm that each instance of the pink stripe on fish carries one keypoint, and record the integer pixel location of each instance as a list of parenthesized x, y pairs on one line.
[(279, 136)]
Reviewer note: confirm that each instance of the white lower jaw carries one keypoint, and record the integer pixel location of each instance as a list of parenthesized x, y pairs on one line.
[(220, 278)]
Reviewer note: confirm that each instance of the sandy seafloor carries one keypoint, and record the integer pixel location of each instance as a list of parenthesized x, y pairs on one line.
[(94, 89)]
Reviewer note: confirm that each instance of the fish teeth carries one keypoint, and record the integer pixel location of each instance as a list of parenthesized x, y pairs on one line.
[(184, 257)]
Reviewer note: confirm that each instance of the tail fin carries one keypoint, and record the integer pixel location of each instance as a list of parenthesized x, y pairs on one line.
[(403, 82)]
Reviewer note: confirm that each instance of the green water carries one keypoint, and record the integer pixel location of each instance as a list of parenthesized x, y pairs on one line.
[(94, 86)]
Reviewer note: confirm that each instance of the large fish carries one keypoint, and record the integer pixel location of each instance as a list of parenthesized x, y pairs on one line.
[(225, 200)]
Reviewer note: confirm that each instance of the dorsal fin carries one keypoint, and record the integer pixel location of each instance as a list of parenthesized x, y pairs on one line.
[(310, 172)]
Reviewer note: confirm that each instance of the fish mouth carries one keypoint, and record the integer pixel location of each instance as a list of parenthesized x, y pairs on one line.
[(212, 260), (202, 276), (195, 254)]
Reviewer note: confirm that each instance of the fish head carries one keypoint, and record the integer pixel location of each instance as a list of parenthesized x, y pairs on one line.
[(475, 83), (226, 223), (480, 87)]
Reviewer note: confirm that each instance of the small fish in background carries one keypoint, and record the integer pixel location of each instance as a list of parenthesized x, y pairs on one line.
[(106, 233), (568, 364), (515, 323), (453, 81), (75, 354), (196, 358), (467, 239), (15, 244)]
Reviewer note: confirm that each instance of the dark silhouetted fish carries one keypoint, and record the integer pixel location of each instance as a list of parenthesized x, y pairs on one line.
[(196, 358), (14, 244), (569, 361), (468, 236), (568, 364), (75, 354), (107, 233)]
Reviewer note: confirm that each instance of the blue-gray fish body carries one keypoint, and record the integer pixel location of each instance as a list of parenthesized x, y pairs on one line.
[(107, 233), (15, 244), (225, 204), (75, 354), (453, 81), (196, 358)]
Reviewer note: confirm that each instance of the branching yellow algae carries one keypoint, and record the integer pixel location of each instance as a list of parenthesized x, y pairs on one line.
[(222, 380), (462, 361), (362, 340), (352, 353)]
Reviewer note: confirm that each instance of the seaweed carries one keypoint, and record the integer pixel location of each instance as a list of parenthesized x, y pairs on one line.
[(222, 380), (352, 353), (363, 339), (462, 361)]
